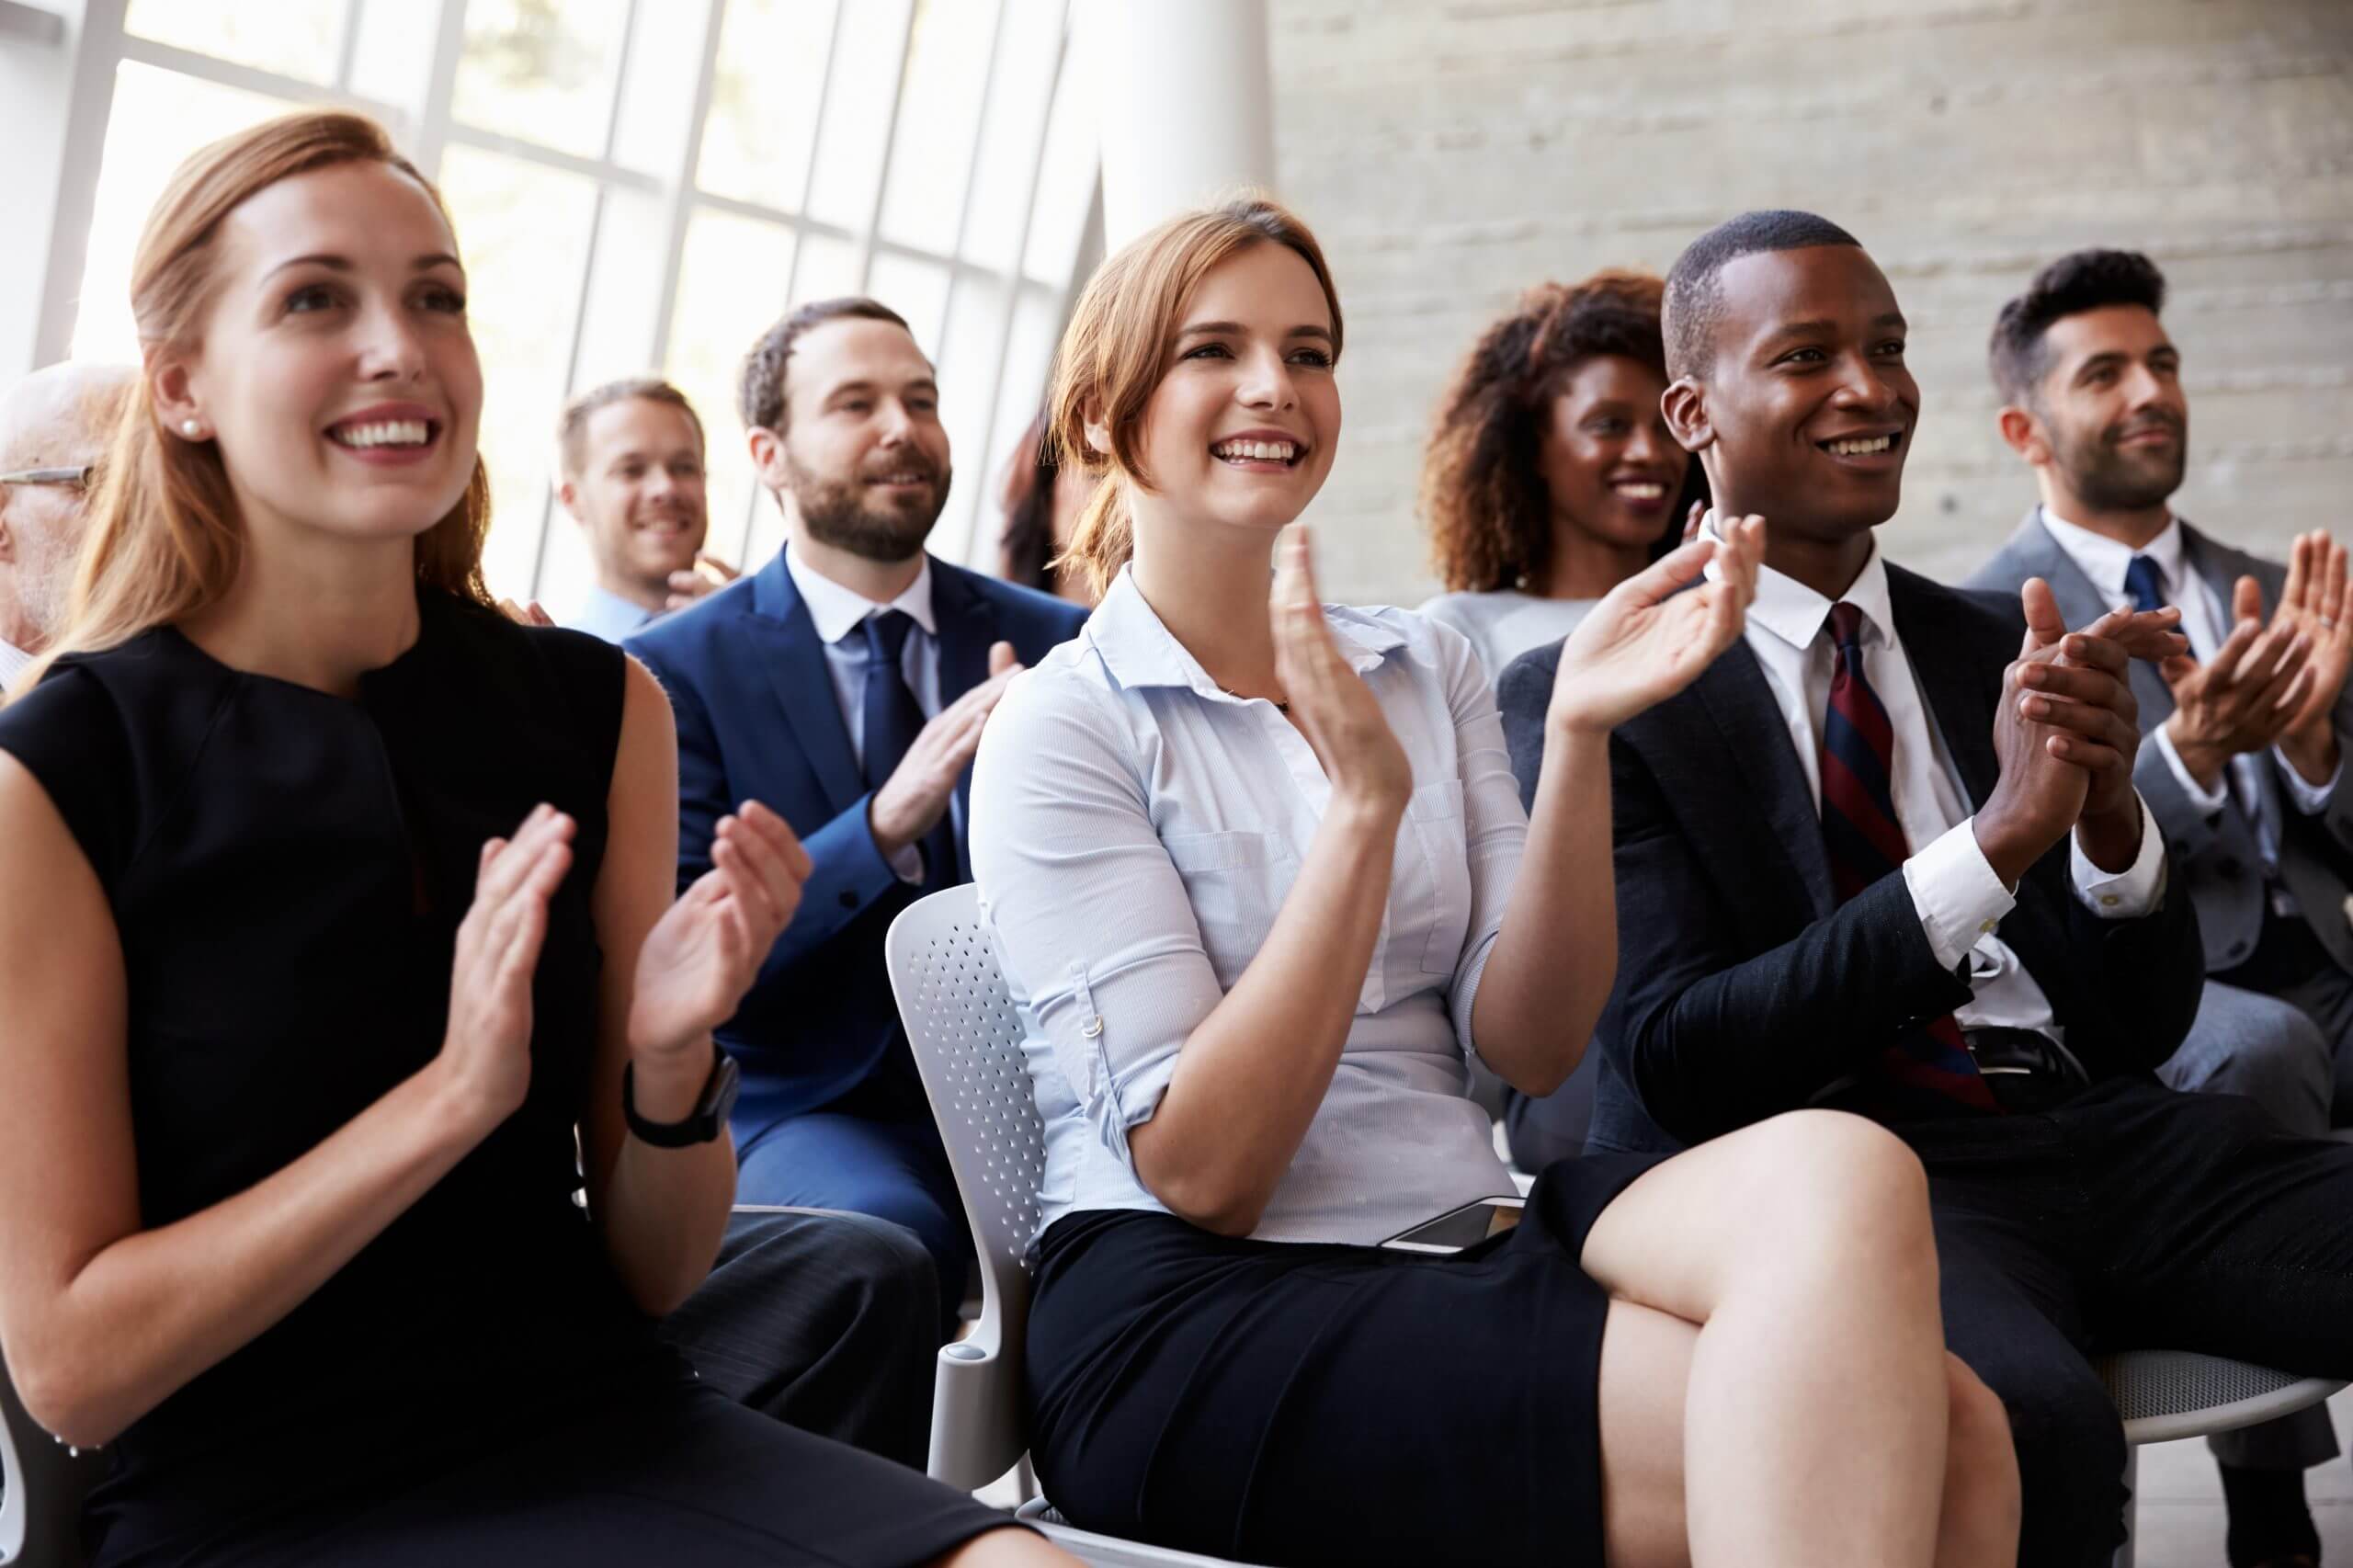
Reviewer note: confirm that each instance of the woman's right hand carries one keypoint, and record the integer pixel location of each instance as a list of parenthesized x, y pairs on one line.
[(1654, 633), (1328, 701), (486, 1054)]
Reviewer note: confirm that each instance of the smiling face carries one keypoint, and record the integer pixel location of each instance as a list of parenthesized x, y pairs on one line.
[(2110, 413), (640, 491), (1240, 430), (864, 453), (1807, 410), (1608, 461), (335, 369)]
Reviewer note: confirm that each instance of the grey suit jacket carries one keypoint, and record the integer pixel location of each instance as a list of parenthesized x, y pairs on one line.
[(2219, 858)]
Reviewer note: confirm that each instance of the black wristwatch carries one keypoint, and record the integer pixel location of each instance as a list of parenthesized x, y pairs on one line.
[(703, 1123)]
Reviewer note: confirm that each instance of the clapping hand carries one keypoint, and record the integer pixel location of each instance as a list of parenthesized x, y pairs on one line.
[(707, 575), (702, 954), (1650, 638), (487, 1047), (2315, 602), (1327, 699)]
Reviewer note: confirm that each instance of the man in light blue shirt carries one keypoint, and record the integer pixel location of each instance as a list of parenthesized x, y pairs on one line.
[(632, 456)]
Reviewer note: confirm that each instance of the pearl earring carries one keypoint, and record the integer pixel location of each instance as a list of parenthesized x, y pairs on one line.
[(191, 428)]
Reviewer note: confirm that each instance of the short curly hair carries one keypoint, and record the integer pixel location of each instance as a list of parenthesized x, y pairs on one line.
[(2079, 281), (1483, 495), (759, 389)]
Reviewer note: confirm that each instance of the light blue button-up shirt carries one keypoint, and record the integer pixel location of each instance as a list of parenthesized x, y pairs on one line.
[(1135, 830)]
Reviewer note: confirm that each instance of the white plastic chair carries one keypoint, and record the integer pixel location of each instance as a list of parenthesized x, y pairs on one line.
[(967, 1039), (42, 1486), (2168, 1394)]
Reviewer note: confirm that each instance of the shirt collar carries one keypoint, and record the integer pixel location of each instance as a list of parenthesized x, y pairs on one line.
[(12, 659), (1794, 614), (836, 611), (1139, 650), (2104, 559)]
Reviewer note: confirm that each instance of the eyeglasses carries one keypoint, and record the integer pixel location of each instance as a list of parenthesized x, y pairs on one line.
[(78, 478)]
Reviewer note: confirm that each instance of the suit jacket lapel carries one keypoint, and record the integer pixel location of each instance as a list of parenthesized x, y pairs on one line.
[(966, 629), (1734, 693), (1951, 683), (789, 649)]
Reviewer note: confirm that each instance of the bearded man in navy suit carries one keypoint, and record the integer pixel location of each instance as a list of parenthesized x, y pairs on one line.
[(845, 684)]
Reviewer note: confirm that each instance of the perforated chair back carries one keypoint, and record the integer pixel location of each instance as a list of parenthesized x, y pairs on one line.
[(42, 1487), (2166, 1394), (966, 1037)]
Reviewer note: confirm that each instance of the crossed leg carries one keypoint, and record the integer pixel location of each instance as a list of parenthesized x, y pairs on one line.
[(1774, 1388)]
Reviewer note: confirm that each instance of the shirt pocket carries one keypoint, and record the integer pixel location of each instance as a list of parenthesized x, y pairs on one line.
[(1235, 882), (1431, 898)]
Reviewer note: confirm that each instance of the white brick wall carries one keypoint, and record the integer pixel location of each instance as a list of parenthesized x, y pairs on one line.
[(1451, 152)]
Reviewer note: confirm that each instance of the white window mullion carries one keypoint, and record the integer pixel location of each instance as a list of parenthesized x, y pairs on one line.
[(432, 112), (682, 183), (1014, 281), (889, 139)]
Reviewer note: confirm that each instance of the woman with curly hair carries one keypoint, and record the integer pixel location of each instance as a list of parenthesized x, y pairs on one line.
[(1551, 477)]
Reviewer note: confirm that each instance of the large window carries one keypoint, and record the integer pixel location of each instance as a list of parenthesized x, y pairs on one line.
[(647, 184)]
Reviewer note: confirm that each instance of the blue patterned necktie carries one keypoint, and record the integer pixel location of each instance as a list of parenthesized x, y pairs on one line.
[(2142, 581), (894, 719)]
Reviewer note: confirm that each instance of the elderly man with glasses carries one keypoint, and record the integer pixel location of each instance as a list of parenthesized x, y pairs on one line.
[(53, 429)]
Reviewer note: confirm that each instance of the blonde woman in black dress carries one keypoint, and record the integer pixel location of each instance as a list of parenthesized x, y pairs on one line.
[(332, 905)]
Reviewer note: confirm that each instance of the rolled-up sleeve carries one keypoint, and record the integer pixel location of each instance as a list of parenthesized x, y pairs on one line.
[(1090, 916), (1495, 824)]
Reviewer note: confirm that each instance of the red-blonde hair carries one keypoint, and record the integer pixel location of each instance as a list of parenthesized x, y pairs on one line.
[(1116, 348), (163, 538)]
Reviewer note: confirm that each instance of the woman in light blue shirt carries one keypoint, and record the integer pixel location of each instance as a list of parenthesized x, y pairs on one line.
[(1253, 873)]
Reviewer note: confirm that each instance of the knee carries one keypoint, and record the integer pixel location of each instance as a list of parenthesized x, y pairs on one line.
[(1982, 1497), (1852, 1186)]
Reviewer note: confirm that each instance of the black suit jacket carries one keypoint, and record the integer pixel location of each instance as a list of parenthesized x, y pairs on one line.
[(1744, 988)]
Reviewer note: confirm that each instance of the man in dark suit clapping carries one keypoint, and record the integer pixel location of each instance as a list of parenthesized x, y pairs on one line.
[(1886, 855)]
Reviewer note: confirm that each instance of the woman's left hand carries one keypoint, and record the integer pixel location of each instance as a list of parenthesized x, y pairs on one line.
[(1649, 639), (702, 954)]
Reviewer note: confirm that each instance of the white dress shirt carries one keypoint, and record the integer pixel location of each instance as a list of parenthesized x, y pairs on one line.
[(12, 659), (840, 615), (1135, 832), (1959, 900), (2205, 620)]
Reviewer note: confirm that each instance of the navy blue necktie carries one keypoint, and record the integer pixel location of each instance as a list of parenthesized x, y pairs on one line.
[(893, 720), (2142, 581)]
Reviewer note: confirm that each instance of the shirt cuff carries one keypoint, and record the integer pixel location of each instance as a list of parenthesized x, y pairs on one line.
[(2208, 802), (906, 863), (2310, 798), (2127, 895), (1956, 895)]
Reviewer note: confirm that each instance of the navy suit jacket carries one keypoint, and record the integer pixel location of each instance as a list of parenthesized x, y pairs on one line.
[(1744, 987), (757, 720)]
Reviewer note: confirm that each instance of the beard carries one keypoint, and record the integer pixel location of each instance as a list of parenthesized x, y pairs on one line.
[(844, 514), (2113, 479)]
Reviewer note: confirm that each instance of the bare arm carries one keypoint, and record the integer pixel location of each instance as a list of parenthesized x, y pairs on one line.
[(101, 1320), (1556, 956), (1251, 1075), (675, 971)]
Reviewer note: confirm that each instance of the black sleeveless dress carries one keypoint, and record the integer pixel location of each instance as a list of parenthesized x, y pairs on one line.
[(287, 871)]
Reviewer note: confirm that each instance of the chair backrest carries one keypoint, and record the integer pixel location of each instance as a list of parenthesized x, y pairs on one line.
[(966, 1037), (42, 1487)]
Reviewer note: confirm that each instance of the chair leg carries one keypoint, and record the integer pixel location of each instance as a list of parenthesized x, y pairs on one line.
[(2131, 1505)]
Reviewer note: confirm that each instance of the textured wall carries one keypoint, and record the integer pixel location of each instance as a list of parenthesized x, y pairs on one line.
[(1449, 152)]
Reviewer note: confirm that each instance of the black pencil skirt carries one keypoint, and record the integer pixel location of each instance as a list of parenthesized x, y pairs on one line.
[(1299, 1404)]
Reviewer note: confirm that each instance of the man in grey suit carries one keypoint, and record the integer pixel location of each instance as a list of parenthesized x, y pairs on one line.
[(2245, 736)]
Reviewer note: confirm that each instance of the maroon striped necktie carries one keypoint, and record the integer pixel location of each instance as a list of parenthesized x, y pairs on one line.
[(1929, 1072)]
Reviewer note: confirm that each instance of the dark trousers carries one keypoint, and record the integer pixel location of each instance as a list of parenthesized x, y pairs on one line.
[(2132, 1216), (826, 1322)]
